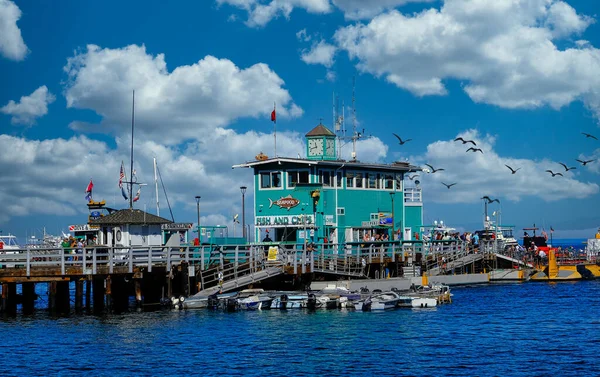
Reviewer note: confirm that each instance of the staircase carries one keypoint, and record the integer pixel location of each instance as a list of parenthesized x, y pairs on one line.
[(456, 263), (241, 281)]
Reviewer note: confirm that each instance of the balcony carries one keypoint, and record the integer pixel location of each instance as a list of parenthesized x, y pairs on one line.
[(413, 195)]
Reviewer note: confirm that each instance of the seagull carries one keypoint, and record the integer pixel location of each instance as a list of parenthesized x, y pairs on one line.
[(585, 162), (553, 174), (588, 135), (489, 200), (464, 141), (412, 177), (400, 139), (450, 185), (434, 170), (474, 150), (567, 168), (513, 170)]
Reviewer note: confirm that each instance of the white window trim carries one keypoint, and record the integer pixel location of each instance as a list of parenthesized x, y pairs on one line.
[(287, 174), (271, 179)]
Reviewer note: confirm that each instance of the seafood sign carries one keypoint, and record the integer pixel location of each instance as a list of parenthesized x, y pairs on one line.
[(285, 202)]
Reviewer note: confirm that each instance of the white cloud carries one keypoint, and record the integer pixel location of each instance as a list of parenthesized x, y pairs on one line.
[(320, 53), (29, 108), (261, 12), (361, 9), (330, 76), (12, 45), (502, 50), (171, 106), (303, 36), (478, 174)]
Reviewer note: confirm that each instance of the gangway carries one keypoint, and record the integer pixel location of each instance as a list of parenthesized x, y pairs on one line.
[(241, 281)]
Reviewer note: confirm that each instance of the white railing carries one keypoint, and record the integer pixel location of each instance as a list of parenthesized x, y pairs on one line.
[(412, 195)]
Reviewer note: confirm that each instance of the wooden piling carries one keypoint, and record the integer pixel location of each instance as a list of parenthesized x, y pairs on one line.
[(138, 292), (78, 296), (88, 296), (9, 298), (98, 295), (29, 297), (108, 293), (52, 297)]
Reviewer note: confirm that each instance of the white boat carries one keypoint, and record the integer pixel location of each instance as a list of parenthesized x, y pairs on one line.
[(407, 301), (289, 300), (254, 299), (9, 246), (378, 301)]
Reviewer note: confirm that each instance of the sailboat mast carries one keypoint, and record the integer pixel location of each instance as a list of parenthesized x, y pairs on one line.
[(131, 170), (156, 188)]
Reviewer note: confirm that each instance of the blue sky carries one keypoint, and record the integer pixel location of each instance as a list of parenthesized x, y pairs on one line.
[(520, 78)]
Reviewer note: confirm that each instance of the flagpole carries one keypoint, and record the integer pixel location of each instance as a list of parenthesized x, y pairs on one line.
[(131, 170), (275, 125)]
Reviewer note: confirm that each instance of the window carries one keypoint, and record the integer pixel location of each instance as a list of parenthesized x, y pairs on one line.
[(270, 180), (399, 178), (297, 176), (341, 211), (349, 179), (326, 178), (358, 180), (388, 181), (372, 180)]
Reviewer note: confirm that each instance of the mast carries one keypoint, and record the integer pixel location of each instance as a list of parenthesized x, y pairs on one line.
[(156, 188), (354, 134), (131, 170)]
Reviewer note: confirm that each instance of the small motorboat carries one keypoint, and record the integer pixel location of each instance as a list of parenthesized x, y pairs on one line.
[(378, 301)]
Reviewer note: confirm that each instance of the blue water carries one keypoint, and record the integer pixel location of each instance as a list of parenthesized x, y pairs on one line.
[(530, 329)]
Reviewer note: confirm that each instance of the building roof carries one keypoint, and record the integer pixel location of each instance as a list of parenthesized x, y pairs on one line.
[(395, 166), (130, 216), (320, 130)]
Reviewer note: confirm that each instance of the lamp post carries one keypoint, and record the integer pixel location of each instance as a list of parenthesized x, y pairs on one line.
[(243, 189), (337, 226), (198, 210), (393, 218)]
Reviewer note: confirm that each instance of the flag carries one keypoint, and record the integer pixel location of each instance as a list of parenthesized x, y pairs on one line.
[(235, 219), (551, 230), (121, 176), (137, 195), (274, 115), (88, 191)]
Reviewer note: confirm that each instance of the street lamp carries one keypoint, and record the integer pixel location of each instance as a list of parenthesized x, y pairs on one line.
[(337, 226), (393, 218), (198, 210), (243, 189)]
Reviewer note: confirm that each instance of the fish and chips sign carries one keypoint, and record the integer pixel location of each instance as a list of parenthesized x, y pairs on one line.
[(293, 220)]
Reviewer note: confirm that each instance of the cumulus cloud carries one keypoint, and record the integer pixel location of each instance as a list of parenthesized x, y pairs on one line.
[(172, 106), (320, 53), (504, 52), (303, 36), (477, 174), (361, 9), (261, 12), (30, 107), (12, 45)]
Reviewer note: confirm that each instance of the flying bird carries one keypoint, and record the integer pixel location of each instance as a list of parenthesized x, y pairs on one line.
[(554, 174), (490, 200), (400, 139), (464, 141), (474, 150), (513, 170), (590, 136), (412, 177), (448, 186), (567, 168), (434, 170), (585, 162)]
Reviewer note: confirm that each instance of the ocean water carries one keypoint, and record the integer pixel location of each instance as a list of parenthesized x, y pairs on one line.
[(527, 329)]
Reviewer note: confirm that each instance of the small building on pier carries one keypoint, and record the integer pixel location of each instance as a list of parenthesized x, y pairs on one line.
[(131, 227), (324, 198)]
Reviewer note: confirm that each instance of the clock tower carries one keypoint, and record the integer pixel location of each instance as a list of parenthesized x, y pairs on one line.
[(320, 144)]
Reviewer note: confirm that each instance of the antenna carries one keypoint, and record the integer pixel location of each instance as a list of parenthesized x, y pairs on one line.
[(355, 135), (131, 171)]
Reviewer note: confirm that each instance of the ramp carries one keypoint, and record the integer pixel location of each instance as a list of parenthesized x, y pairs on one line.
[(513, 260), (241, 281), (457, 263)]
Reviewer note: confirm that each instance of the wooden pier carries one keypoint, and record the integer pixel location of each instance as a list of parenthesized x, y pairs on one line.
[(114, 279)]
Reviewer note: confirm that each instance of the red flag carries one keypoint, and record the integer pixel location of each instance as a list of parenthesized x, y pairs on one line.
[(273, 116)]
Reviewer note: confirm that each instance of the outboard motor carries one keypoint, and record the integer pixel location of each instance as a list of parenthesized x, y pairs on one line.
[(367, 305), (213, 302), (364, 290), (231, 304), (283, 302), (311, 302)]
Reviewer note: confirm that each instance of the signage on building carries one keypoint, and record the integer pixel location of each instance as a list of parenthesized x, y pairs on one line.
[(95, 215), (83, 228), (385, 219), (329, 220), (176, 226), (285, 202), (293, 220), (372, 223)]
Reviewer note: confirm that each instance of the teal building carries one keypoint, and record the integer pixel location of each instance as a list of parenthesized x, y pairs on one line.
[(322, 198)]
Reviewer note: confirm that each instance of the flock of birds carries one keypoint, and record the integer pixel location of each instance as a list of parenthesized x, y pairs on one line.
[(512, 170)]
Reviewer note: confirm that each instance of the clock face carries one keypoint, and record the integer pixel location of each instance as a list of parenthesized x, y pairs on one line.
[(330, 150), (315, 147)]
